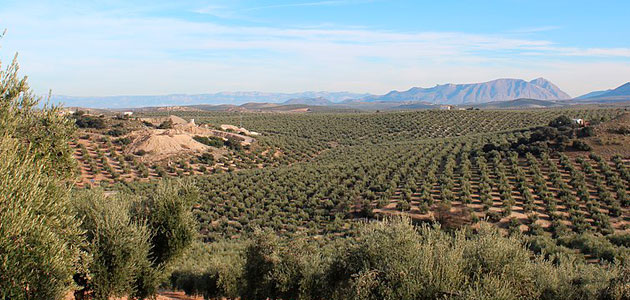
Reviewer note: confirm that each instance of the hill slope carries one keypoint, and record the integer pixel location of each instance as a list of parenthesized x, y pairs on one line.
[(621, 92), (309, 101), (519, 104), (496, 90)]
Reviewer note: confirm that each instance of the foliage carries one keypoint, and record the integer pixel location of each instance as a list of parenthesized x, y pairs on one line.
[(118, 245), (166, 212), (210, 141), (393, 259), (134, 241), (39, 238), (87, 121), (168, 124)]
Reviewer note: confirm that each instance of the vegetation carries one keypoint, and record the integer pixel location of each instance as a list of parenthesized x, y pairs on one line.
[(505, 204), (39, 237), (52, 240), (85, 121), (393, 259)]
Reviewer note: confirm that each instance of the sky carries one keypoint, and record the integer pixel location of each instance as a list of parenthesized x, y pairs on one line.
[(104, 48)]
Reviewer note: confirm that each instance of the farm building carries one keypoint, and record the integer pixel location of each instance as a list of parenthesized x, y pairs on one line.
[(578, 121)]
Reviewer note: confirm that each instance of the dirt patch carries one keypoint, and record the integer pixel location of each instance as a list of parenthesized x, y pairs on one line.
[(160, 143), (157, 121), (160, 296), (610, 139)]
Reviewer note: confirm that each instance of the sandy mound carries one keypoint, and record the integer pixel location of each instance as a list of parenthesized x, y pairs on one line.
[(191, 128), (157, 121), (161, 143)]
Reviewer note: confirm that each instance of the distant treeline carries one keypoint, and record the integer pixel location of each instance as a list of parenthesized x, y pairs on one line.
[(561, 134)]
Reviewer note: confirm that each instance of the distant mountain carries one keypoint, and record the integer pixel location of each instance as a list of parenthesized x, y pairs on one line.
[(520, 104), (309, 101), (457, 94), (235, 98), (592, 94), (496, 90), (414, 106), (621, 92)]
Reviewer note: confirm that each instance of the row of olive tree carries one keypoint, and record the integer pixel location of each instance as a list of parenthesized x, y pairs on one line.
[(393, 259)]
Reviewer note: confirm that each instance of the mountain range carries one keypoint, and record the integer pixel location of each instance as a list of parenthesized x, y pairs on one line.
[(622, 91), (453, 94), (185, 99), (474, 93)]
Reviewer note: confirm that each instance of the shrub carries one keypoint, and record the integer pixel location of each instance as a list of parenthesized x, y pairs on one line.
[(168, 124), (85, 121), (586, 132), (210, 141), (580, 146), (621, 130), (39, 237), (166, 213), (562, 121), (140, 153), (123, 141), (116, 132), (206, 158), (118, 245)]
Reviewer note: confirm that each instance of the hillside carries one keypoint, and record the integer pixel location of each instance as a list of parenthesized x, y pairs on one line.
[(621, 92), (496, 90), (519, 104), (309, 101)]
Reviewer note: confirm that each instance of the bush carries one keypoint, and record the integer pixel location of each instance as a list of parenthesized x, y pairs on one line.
[(234, 144), (39, 237), (580, 146), (123, 141), (140, 153), (625, 130), (393, 259), (212, 270), (206, 158), (210, 141), (562, 121), (116, 132), (586, 132), (85, 121), (166, 211), (118, 245), (168, 124)]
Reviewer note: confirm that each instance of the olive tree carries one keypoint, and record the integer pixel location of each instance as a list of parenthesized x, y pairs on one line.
[(39, 237)]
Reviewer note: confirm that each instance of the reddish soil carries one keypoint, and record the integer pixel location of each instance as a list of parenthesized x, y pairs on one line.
[(619, 224), (161, 296)]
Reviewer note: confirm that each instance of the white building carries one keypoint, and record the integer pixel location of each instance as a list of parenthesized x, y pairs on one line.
[(578, 121), (128, 113)]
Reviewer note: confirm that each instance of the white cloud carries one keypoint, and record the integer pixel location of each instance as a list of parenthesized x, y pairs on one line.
[(313, 3), (95, 53)]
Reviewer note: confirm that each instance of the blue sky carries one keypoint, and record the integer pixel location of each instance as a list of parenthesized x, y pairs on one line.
[(93, 48)]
